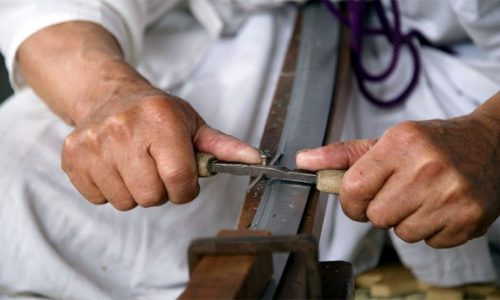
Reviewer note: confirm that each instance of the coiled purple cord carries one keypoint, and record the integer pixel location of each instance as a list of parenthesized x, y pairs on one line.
[(355, 21)]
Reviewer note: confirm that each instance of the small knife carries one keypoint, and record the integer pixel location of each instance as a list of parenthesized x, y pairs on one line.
[(328, 181)]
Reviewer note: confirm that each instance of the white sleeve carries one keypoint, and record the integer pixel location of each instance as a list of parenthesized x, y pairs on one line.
[(480, 19), (124, 19), (225, 17)]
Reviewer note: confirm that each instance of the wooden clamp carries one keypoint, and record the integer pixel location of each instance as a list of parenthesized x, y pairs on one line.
[(241, 264), (244, 273)]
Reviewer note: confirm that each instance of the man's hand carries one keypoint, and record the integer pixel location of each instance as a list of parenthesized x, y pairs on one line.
[(132, 144), (436, 180), (142, 152)]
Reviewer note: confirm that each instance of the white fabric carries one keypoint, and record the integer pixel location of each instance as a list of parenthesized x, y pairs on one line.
[(56, 244), (52, 242), (126, 20), (441, 93), (225, 17)]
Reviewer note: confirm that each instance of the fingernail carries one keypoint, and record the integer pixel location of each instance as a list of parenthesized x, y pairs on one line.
[(302, 151), (264, 158), (251, 155)]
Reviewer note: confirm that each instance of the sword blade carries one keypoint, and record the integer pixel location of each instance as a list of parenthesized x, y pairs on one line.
[(271, 172)]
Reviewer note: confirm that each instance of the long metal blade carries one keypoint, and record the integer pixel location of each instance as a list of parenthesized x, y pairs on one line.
[(282, 205), (271, 172)]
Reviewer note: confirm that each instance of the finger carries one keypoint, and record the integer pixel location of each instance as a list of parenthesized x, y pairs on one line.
[(176, 166), (364, 179), (109, 182), (460, 225), (419, 226), (140, 175), (399, 197), (333, 156), (86, 187), (74, 167), (447, 238), (431, 217), (225, 147)]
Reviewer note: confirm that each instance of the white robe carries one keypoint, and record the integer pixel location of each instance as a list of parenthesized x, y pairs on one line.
[(55, 244)]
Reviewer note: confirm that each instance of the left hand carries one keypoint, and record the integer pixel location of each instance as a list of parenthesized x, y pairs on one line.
[(437, 180)]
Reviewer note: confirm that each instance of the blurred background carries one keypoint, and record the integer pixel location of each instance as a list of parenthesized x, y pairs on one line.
[(5, 89)]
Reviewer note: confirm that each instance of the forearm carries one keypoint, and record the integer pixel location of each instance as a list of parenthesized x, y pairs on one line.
[(75, 67), (489, 113)]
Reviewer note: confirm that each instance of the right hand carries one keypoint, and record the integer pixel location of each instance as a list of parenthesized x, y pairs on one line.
[(133, 144), (433, 180), (140, 150)]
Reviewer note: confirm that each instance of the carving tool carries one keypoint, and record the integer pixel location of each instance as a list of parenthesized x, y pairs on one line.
[(328, 181)]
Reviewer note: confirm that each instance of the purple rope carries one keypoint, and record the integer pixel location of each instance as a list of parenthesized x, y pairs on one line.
[(355, 21)]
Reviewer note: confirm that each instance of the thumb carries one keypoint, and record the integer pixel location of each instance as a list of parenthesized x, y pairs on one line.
[(333, 156), (225, 147)]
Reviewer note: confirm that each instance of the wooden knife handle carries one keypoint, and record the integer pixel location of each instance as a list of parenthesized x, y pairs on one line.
[(330, 181), (203, 162)]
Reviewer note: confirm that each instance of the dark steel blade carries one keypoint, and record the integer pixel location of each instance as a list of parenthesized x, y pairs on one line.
[(282, 205), (271, 172)]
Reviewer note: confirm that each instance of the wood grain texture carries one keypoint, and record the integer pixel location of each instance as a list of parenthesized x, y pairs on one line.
[(230, 276), (437, 293), (203, 163), (330, 181), (275, 122), (396, 282)]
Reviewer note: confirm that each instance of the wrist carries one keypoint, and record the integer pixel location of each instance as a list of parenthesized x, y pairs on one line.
[(115, 83), (488, 115), (76, 67)]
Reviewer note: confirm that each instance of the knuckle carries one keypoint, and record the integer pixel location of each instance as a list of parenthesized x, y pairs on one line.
[(406, 135), (457, 191), (435, 243), (474, 216), (120, 125), (97, 199), (377, 218), (453, 235), (185, 196), (167, 109), (156, 108), (91, 194), (123, 205), (429, 166), (91, 136), (120, 200), (154, 103), (71, 143), (119, 120), (66, 165), (406, 132), (407, 234), (476, 212), (181, 177), (151, 200), (182, 185), (353, 185), (354, 212), (184, 104), (441, 243), (88, 139), (71, 146)]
